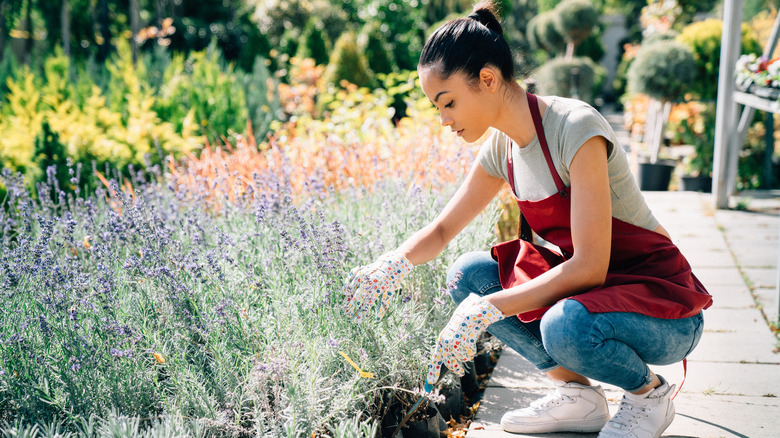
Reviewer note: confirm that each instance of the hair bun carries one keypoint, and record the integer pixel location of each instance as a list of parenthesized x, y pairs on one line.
[(487, 18)]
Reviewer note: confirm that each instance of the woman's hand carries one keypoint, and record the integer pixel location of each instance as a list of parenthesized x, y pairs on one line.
[(373, 283), (458, 341)]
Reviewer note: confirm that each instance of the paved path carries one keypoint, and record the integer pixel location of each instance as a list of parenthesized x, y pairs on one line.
[(733, 383)]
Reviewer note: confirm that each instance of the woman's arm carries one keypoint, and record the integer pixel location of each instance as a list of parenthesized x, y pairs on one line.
[(472, 197), (591, 228)]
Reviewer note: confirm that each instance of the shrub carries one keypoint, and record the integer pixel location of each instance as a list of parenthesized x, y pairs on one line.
[(555, 78), (703, 38), (313, 42), (201, 88), (575, 20), (348, 63), (376, 49), (542, 33), (664, 71)]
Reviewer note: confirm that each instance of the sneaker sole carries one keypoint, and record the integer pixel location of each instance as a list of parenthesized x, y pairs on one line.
[(592, 425)]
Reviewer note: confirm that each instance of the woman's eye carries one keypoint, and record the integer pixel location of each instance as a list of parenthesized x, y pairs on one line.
[(449, 105)]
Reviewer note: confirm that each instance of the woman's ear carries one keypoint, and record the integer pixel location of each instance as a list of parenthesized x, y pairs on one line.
[(488, 78)]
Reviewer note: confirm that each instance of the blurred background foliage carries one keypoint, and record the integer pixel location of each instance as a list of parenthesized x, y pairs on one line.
[(133, 81)]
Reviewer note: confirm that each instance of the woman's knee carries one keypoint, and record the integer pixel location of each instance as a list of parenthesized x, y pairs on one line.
[(472, 272), (566, 330)]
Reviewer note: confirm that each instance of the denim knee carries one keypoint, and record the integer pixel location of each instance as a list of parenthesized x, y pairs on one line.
[(565, 329), (475, 272)]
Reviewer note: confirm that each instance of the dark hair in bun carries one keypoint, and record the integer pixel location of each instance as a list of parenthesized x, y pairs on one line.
[(466, 45)]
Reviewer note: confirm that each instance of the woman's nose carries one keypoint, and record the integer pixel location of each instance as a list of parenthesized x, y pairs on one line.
[(445, 120)]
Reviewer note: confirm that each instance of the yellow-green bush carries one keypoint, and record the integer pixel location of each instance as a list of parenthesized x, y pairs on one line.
[(87, 127), (703, 38)]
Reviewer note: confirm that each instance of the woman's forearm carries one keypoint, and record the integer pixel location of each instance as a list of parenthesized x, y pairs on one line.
[(567, 279), (424, 245)]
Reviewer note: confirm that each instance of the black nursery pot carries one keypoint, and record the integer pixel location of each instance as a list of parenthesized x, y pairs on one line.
[(469, 380), (696, 184), (454, 404), (430, 427), (655, 176)]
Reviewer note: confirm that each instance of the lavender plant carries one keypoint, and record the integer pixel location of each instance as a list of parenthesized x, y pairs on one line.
[(174, 308)]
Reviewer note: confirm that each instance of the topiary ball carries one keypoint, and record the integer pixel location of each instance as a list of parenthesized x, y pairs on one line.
[(663, 70)]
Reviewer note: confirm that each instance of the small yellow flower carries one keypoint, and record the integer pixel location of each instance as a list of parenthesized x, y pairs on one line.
[(158, 357), (86, 242)]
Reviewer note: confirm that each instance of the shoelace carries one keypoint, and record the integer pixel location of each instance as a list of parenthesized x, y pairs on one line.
[(627, 415), (553, 399)]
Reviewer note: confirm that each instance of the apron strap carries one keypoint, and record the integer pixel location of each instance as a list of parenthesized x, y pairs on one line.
[(533, 104), (685, 373)]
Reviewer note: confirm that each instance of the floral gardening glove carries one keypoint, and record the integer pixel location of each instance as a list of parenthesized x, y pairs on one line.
[(458, 341), (378, 281)]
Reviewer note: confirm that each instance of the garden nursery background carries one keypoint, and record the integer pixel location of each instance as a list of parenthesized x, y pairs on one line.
[(186, 184)]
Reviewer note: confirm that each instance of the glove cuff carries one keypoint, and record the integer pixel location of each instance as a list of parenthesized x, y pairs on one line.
[(398, 261), (484, 311)]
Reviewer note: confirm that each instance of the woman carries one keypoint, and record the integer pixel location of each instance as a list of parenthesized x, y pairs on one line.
[(620, 295)]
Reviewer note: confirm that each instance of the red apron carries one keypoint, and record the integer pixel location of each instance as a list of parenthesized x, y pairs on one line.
[(647, 273)]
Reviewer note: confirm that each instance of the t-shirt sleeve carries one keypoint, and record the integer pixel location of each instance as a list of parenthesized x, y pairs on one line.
[(582, 124), (492, 155)]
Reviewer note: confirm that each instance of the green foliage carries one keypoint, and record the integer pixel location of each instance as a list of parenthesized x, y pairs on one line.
[(543, 34), (262, 103), (575, 19), (591, 46), (555, 78), (376, 49), (703, 38), (348, 62), (403, 89), (313, 42), (547, 5), (200, 88), (664, 71)]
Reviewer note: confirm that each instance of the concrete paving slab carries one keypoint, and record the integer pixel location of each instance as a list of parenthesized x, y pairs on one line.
[(724, 378), (730, 297), (736, 346), (725, 416), (761, 277), (708, 258), (767, 298), (718, 276)]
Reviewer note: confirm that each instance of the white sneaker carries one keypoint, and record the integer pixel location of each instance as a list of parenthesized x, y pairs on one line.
[(572, 407), (642, 416)]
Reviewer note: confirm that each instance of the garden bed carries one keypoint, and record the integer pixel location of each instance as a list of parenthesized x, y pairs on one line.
[(161, 299)]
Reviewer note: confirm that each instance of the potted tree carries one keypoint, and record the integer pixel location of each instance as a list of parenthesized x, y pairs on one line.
[(663, 70)]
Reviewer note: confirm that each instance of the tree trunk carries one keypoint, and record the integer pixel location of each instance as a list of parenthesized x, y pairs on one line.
[(134, 28), (569, 50), (660, 126), (65, 24), (28, 44), (159, 13), (4, 9), (105, 31)]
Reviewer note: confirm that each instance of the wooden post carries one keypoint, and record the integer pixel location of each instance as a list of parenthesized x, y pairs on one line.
[(726, 113)]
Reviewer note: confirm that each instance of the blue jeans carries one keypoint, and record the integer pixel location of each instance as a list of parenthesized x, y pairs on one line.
[(613, 347)]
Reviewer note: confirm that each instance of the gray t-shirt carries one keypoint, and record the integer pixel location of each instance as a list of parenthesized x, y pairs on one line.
[(568, 124)]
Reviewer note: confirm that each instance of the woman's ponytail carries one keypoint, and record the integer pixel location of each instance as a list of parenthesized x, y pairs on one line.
[(466, 45), (484, 14)]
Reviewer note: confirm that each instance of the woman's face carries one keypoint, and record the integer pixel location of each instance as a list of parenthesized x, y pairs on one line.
[(462, 106)]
